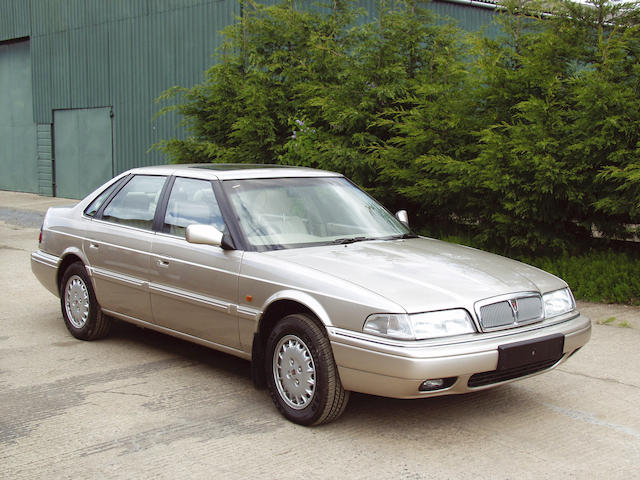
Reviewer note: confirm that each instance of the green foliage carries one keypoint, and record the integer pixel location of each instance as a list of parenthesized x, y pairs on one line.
[(609, 275), (557, 142), (597, 276), (527, 142)]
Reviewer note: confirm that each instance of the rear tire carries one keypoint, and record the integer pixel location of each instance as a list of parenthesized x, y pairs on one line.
[(302, 376), (80, 309)]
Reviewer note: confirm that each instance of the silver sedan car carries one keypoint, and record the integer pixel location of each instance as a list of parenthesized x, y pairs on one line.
[(309, 278)]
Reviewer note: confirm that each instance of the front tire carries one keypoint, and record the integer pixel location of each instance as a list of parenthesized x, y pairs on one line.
[(302, 376), (80, 309)]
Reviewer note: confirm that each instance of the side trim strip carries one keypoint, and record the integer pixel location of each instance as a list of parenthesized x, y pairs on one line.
[(190, 297), (117, 277), (249, 313)]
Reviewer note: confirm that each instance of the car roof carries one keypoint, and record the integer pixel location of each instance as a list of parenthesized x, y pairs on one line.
[(226, 171)]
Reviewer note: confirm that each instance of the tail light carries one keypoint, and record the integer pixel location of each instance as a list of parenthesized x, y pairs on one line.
[(40, 236)]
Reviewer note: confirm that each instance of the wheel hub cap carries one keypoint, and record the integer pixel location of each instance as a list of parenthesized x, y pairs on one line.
[(294, 372), (76, 301)]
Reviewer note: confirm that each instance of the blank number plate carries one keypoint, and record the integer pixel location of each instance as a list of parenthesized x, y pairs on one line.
[(522, 353)]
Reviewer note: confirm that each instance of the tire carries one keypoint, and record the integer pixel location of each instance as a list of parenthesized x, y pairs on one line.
[(80, 309), (299, 355)]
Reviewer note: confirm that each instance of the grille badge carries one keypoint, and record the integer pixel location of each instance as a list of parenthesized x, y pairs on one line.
[(514, 307)]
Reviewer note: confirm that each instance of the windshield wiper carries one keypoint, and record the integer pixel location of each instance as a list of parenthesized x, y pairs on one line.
[(405, 235), (346, 240)]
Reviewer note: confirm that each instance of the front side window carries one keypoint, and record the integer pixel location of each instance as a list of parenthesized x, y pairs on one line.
[(191, 201), (296, 212), (135, 205)]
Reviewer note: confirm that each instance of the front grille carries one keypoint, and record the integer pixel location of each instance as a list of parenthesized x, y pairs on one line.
[(497, 376), (509, 311), (496, 315), (529, 308)]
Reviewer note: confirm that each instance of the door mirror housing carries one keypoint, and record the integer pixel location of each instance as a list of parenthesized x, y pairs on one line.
[(403, 217), (204, 235)]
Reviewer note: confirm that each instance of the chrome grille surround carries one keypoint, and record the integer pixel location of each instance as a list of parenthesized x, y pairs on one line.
[(509, 311)]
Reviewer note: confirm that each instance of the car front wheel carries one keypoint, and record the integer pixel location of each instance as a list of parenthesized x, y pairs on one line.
[(80, 310), (303, 378)]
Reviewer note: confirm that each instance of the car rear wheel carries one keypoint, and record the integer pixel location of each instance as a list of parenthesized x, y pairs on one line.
[(302, 376), (80, 310)]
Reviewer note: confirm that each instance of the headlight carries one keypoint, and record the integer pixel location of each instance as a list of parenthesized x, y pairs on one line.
[(420, 326), (558, 302), (390, 325)]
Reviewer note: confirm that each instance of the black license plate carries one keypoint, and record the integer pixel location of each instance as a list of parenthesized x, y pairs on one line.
[(526, 352)]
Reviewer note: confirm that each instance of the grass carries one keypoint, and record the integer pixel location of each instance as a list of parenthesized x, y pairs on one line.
[(612, 321), (599, 276)]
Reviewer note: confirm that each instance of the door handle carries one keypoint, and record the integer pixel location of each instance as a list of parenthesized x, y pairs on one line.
[(94, 246), (163, 263)]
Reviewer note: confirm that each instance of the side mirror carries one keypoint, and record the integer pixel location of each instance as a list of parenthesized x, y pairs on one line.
[(204, 235), (403, 217)]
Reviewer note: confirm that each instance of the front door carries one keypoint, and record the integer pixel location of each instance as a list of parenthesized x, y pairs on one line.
[(194, 288)]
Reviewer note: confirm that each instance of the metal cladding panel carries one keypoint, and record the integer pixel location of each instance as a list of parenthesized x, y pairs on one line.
[(471, 19), (51, 16), (44, 145), (15, 19), (18, 161), (60, 70), (156, 6), (149, 54), (41, 74), (83, 150)]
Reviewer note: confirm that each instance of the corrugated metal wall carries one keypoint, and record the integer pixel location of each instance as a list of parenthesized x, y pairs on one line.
[(124, 54), (18, 159), (15, 19)]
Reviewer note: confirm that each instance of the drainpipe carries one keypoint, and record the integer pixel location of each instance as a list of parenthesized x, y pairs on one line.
[(474, 3)]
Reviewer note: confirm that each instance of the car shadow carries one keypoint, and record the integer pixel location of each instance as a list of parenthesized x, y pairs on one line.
[(174, 346), (366, 411)]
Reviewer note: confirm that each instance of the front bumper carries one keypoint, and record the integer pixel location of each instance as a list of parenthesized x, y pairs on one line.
[(397, 369)]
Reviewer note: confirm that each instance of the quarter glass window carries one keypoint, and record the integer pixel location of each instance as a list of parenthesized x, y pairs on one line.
[(100, 199), (191, 201), (135, 204)]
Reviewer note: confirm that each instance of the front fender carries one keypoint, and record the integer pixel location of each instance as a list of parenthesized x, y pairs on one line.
[(304, 299)]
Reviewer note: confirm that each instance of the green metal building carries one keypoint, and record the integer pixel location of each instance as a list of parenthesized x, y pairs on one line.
[(79, 79)]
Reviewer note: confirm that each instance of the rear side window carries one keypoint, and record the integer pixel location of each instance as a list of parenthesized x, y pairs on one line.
[(135, 204), (191, 201)]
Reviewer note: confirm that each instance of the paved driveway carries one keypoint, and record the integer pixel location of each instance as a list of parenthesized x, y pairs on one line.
[(143, 405)]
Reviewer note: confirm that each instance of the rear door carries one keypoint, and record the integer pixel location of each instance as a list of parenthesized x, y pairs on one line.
[(194, 288), (118, 246)]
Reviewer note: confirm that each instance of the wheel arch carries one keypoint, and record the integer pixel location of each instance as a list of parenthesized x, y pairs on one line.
[(70, 257), (277, 307)]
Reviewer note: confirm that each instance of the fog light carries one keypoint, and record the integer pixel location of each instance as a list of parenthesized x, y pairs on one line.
[(436, 384)]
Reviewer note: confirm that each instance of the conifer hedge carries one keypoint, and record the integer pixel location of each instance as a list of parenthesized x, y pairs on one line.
[(528, 142)]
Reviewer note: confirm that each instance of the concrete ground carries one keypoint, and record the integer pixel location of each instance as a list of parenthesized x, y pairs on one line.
[(143, 405)]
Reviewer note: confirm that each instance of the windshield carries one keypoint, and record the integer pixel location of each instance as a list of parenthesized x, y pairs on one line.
[(297, 212)]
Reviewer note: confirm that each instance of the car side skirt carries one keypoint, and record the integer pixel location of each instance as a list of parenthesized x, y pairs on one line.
[(183, 336)]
